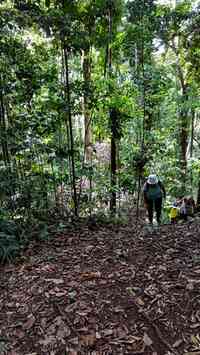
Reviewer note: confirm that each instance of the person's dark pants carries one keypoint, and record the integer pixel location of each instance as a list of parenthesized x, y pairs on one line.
[(183, 216), (157, 204)]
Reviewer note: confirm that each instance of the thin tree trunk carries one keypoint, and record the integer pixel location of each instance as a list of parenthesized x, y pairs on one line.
[(63, 81), (4, 143), (198, 195), (138, 197), (86, 98), (113, 164), (191, 146), (143, 131), (113, 118), (183, 120), (68, 97), (192, 134), (183, 142), (90, 191)]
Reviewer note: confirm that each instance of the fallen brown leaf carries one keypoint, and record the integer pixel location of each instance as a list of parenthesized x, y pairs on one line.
[(73, 341), (107, 332), (147, 340), (139, 301), (71, 307), (63, 331), (19, 333), (29, 323), (88, 340), (177, 343), (55, 281), (132, 339), (51, 329), (90, 275), (194, 326), (49, 340), (71, 352)]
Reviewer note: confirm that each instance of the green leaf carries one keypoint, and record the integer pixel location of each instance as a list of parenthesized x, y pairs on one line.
[(47, 3)]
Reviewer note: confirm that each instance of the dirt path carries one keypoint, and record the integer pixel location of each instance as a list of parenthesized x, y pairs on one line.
[(105, 290)]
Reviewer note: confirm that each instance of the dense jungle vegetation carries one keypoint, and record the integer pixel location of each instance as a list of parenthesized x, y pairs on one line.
[(94, 96)]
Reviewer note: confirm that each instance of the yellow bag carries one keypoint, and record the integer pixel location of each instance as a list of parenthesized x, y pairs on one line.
[(173, 212)]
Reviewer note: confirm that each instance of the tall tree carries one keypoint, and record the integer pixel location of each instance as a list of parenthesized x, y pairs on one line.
[(113, 16), (172, 33)]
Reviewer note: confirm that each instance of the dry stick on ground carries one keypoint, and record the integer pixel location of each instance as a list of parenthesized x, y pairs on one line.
[(139, 351), (157, 330)]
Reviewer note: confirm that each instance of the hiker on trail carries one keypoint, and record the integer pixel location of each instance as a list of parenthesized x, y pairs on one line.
[(153, 192), (181, 209), (190, 206), (187, 208), (175, 211)]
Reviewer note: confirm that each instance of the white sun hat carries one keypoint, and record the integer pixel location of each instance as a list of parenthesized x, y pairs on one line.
[(152, 179)]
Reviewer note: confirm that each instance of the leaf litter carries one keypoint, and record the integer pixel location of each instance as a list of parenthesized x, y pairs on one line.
[(106, 290)]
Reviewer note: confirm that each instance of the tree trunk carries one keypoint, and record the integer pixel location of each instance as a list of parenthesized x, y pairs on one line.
[(68, 98), (183, 160), (113, 163), (198, 195), (113, 122), (4, 144), (191, 147), (183, 141), (183, 120), (86, 101)]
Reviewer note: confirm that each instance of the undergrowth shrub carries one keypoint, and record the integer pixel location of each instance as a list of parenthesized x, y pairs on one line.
[(10, 245)]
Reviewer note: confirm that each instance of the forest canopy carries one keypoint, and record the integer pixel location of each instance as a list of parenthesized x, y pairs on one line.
[(94, 96)]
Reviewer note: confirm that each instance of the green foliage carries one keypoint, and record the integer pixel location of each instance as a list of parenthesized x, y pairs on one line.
[(9, 241), (154, 83)]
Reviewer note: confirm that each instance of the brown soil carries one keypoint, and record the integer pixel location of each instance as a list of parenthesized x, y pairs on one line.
[(104, 290)]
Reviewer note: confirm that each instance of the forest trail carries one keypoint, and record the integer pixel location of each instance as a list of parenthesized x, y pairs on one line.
[(105, 290)]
